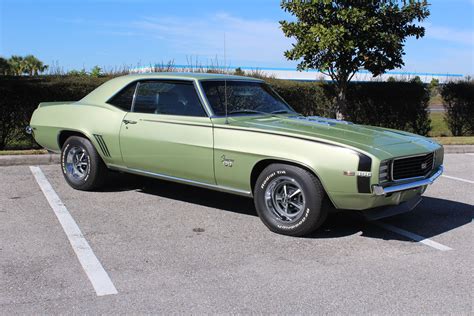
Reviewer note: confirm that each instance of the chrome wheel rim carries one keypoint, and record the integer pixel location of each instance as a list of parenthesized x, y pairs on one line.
[(285, 199), (77, 163)]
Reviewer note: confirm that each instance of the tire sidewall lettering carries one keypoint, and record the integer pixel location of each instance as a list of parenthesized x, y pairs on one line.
[(90, 166), (64, 154), (270, 176), (299, 223)]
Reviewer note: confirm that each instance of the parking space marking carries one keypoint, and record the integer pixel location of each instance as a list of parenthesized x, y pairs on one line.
[(470, 154), (93, 268), (458, 179), (412, 236)]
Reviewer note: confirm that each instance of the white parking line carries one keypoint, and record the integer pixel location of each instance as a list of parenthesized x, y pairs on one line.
[(458, 179), (470, 154), (95, 272), (412, 236)]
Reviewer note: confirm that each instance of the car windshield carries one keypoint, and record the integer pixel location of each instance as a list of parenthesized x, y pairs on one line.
[(244, 98)]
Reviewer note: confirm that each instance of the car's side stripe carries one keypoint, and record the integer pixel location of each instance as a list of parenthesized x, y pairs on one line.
[(247, 130), (365, 164), (277, 134), (178, 123)]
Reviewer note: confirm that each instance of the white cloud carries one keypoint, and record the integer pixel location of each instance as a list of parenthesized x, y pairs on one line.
[(261, 42), (246, 40), (465, 37)]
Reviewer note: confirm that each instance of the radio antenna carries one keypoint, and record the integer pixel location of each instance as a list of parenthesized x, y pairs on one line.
[(225, 84)]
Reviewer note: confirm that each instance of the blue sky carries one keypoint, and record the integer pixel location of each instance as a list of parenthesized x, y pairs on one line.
[(113, 33)]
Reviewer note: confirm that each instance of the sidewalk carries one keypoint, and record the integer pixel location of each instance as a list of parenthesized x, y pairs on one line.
[(16, 160)]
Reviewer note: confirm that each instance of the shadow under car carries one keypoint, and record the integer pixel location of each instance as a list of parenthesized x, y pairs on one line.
[(432, 217)]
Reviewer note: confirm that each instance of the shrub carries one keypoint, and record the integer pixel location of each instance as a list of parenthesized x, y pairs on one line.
[(19, 97), (397, 105), (307, 98), (458, 100)]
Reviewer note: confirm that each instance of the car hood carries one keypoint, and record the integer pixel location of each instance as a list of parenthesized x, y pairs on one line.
[(371, 139)]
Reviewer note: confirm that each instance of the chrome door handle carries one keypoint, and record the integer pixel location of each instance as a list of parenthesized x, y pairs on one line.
[(129, 122)]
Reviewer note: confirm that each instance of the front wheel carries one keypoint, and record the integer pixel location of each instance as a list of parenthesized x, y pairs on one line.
[(82, 166), (289, 200)]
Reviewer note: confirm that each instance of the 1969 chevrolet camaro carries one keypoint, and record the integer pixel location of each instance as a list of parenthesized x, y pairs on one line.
[(235, 134)]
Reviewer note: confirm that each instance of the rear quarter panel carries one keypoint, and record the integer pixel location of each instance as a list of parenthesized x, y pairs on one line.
[(49, 121)]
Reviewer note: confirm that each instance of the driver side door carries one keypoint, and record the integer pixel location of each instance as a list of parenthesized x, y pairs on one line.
[(167, 132)]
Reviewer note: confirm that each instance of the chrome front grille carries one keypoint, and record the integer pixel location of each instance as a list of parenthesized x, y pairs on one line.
[(412, 167)]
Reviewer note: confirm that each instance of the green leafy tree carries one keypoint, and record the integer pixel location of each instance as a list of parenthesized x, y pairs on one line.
[(96, 71), (341, 37), (4, 67), (239, 72), (434, 87), (417, 80)]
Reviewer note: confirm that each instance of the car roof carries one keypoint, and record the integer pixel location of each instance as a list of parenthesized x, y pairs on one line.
[(111, 87), (187, 75)]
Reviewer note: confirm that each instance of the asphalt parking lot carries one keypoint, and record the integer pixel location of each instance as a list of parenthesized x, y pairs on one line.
[(166, 248)]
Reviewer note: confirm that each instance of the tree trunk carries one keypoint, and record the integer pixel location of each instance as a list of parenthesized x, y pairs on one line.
[(341, 101)]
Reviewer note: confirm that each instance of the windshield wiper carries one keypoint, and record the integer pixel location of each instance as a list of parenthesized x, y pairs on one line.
[(281, 112), (248, 111)]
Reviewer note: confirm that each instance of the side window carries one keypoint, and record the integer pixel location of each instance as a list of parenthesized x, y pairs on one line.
[(124, 98), (167, 97)]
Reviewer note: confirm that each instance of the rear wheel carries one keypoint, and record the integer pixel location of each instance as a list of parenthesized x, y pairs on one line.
[(82, 166), (289, 200)]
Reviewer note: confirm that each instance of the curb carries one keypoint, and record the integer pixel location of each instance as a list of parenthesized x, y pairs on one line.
[(458, 149), (50, 159), (19, 160)]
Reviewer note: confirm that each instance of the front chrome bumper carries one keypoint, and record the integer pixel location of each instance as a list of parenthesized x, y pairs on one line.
[(379, 190)]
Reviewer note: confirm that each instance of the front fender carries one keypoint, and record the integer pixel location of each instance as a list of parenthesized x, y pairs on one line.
[(328, 162)]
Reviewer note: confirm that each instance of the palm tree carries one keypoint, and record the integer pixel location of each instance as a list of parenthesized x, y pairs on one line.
[(34, 65), (17, 65)]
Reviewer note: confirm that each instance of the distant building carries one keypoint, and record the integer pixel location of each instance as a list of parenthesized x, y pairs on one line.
[(313, 75)]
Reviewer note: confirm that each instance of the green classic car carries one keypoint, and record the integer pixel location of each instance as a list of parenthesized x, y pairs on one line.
[(235, 134)]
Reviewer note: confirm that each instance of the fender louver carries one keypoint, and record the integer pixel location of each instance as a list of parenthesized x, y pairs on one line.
[(102, 144)]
